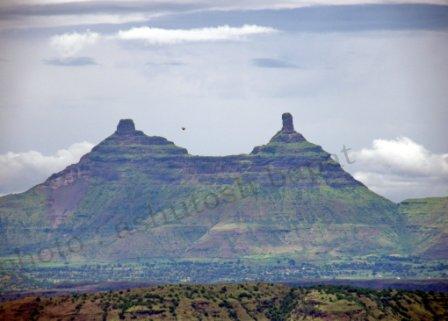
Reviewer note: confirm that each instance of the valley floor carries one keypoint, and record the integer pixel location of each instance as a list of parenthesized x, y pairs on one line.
[(15, 277)]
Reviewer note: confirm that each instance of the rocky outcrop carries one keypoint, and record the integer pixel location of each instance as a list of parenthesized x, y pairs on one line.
[(288, 126), (125, 127)]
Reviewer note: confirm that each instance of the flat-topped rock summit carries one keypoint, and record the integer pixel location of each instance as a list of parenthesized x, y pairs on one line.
[(125, 127)]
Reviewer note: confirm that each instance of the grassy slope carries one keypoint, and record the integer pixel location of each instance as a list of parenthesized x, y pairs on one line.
[(232, 302), (427, 221)]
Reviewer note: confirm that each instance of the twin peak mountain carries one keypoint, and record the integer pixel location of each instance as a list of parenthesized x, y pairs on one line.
[(285, 198), (130, 140)]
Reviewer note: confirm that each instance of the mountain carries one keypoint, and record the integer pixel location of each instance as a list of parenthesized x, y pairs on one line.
[(427, 222), (139, 196)]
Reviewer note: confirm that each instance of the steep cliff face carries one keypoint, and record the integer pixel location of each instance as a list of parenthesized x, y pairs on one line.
[(139, 196)]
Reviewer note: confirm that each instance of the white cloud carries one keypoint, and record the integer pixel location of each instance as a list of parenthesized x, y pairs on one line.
[(401, 168), (68, 44), (20, 171), (157, 36)]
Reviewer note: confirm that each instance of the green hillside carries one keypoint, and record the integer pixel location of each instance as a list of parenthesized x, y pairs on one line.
[(427, 220), (232, 302)]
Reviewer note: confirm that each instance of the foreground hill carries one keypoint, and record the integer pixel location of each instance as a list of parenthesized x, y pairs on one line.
[(139, 196), (233, 302)]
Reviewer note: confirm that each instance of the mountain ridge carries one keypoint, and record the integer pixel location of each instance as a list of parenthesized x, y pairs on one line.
[(287, 197)]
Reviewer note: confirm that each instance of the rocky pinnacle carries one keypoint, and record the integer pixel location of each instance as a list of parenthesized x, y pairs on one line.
[(125, 127), (288, 126)]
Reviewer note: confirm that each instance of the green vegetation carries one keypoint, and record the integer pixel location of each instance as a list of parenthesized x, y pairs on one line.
[(427, 225), (233, 302)]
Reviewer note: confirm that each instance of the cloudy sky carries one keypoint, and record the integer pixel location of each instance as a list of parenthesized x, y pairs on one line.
[(368, 75)]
